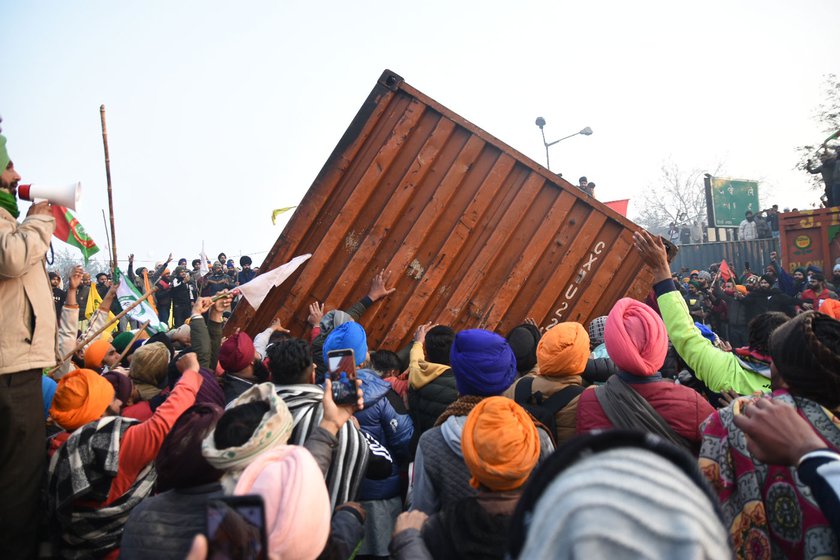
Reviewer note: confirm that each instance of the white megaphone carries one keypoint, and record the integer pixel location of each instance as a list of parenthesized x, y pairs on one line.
[(66, 196)]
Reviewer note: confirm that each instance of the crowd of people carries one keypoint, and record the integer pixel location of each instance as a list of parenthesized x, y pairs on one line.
[(699, 423)]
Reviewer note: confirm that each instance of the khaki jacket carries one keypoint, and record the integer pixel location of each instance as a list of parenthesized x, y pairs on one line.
[(566, 418), (27, 312)]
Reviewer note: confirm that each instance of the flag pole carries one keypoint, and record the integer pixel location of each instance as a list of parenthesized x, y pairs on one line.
[(108, 177), (87, 340), (134, 339), (108, 242)]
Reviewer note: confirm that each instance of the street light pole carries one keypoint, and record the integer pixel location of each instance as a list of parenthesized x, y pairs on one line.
[(540, 122)]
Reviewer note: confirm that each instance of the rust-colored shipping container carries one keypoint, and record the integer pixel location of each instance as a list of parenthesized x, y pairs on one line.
[(811, 237), (474, 233)]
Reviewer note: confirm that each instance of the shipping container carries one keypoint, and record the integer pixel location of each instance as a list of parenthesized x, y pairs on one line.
[(810, 238), (474, 233), (738, 254)]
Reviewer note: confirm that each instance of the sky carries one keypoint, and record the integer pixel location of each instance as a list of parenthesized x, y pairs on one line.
[(219, 112)]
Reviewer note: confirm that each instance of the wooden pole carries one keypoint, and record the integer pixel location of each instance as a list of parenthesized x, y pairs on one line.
[(87, 340), (108, 177), (108, 241), (133, 340)]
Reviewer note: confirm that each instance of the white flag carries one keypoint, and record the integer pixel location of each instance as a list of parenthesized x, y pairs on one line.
[(256, 290), (203, 269), (127, 294)]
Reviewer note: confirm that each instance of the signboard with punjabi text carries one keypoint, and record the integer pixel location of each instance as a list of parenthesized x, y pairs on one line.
[(731, 198)]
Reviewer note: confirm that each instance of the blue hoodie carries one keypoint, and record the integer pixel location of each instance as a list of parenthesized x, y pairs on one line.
[(385, 418)]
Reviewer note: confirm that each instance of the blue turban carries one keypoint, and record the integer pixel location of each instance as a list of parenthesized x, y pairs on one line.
[(483, 363), (349, 335), (48, 387), (706, 332)]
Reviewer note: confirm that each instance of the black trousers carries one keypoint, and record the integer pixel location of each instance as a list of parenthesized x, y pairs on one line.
[(23, 460), (180, 313)]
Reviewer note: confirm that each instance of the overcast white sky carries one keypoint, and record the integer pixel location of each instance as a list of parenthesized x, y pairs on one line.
[(219, 112)]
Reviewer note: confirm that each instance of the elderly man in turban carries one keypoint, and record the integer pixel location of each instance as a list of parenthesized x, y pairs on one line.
[(484, 366), (105, 468), (637, 397), (501, 447)]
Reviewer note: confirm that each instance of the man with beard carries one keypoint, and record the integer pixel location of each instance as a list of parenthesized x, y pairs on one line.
[(59, 295), (27, 346), (216, 281)]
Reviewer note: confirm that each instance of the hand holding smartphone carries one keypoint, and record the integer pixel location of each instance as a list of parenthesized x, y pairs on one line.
[(342, 372), (236, 528)]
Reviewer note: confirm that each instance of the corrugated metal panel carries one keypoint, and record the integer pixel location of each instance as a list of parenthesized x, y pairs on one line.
[(475, 233), (698, 256), (811, 237)]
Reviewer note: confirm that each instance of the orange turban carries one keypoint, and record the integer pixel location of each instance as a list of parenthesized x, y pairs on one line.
[(563, 350), (95, 353), (81, 396), (831, 307), (500, 444), (742, 289)]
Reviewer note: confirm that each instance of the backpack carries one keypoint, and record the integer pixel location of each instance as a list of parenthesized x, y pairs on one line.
[(544, 410)]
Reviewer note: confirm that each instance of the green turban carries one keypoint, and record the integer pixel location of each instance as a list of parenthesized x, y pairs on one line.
[(4, 155)]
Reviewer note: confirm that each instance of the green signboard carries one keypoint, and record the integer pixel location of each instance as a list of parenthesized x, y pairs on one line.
[(731, 198)]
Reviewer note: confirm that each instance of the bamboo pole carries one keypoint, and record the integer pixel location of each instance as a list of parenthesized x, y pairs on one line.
[(87, 340), (108, 177), (133, 340)]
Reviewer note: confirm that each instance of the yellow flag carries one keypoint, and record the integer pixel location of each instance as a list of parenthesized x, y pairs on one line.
[(93, 303), (279, 211)]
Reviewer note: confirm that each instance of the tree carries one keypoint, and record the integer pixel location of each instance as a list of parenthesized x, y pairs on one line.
[(677, 197), (827, 114), (64, 259)]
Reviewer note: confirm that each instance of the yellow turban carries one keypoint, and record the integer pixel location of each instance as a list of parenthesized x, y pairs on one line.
[(500, 444), (81, 396), (563, 350)]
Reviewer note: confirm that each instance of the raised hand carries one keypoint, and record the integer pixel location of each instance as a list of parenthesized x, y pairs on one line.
[(377, 286)]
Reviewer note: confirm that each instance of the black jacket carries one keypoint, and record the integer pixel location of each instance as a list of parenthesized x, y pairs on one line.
[(429, 402)]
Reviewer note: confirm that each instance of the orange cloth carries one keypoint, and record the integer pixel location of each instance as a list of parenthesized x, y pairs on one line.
[(95, 353), (831, 307), (81, 396), (563, 350), (500, 444), (742, 289)]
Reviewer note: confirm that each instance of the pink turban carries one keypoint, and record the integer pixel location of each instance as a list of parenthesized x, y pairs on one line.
[(297, 506), (636, 338)]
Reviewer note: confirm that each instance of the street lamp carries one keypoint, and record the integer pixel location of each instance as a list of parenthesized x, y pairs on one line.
[(540, 122)]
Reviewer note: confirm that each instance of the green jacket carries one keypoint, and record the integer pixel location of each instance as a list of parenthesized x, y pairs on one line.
[(719, 370)]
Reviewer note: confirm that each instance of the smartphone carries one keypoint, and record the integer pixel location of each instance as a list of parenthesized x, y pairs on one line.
[(236, 528), (342, 370)]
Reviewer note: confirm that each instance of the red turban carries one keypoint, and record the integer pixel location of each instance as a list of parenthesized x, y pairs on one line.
[(237, 353)]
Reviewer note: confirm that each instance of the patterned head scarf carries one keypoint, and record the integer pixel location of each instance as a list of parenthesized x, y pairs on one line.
[(274, 429)]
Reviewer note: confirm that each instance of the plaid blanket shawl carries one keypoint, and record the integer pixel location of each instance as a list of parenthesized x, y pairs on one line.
[(80, 477)]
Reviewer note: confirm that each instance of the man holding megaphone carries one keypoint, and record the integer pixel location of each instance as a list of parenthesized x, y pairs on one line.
[(27, 346)]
